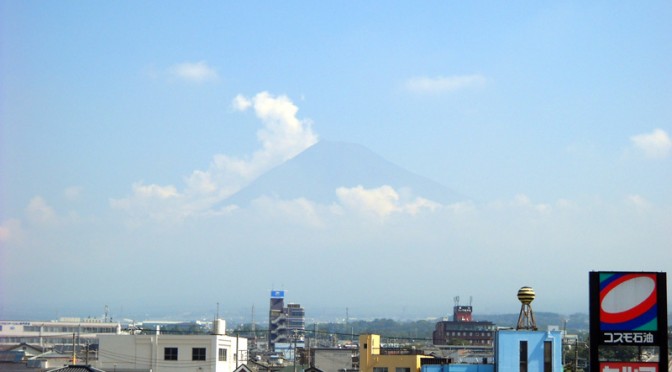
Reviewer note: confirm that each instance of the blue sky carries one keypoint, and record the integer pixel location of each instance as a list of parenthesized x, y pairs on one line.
[(123, 123)]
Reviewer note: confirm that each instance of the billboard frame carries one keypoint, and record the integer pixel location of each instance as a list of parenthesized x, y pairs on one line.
[(642, 323)]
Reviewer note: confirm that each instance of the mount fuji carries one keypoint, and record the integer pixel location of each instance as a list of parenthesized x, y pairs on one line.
[(318, 171)]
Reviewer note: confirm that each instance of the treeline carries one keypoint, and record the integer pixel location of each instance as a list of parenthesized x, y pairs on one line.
[(422, 329), (419, 329)]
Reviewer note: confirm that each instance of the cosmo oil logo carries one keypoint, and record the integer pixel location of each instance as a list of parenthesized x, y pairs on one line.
[(628, 302)]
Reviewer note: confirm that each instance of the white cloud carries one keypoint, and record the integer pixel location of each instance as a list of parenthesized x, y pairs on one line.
[(241, 103), (638, 202), (381, 201), (196, 72), (282, 137), (523, 202), (655, 145), (38, 211), (298, 211), (576, 237), (444, 84), (155, 191), (462, 208), (158, 202)]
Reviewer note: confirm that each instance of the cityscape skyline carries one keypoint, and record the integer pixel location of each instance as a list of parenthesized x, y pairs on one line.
[(125, 129)]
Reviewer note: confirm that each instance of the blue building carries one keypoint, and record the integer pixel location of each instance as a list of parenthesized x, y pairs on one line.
[(458, 368), (528, 351)]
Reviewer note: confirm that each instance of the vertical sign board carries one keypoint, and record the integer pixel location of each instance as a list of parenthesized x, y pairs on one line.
[(628, 309)]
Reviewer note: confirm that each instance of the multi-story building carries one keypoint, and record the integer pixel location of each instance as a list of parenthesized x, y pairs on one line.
[(463, 330), (286, 324), (65, 331)]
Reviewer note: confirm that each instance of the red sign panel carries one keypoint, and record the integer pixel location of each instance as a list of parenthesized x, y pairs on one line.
[(628, 367)]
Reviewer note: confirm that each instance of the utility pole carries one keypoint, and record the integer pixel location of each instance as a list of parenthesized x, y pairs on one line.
[(74, 356), (295, 337), (347, 319), (237, 364), (254, 329), (576, 355)]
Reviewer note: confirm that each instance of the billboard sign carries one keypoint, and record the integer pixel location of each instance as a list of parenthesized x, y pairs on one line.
[(277, 294), (628, 309)]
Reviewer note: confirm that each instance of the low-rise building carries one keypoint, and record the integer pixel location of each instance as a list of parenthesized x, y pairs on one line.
[(333, 359), (528, 351), (166, 353), (52, 333), (374, 358)]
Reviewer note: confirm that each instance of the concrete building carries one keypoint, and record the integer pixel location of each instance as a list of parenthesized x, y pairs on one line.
[(286, 324), (462, 330), (374, 358), (331, 359), (171, 353), (53, 333)]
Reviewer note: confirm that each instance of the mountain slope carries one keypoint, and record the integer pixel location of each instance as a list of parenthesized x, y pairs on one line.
[(317, 172)]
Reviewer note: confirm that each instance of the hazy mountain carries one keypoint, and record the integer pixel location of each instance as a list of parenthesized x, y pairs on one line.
[(318, 171)]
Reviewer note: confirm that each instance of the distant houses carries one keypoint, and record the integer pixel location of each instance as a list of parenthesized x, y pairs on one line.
[(460, 344)]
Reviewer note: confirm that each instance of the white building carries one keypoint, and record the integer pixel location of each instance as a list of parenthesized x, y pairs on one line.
[(171, 353), (51, 333)]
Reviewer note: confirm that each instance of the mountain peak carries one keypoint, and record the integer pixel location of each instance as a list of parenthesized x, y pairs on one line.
[(318, 171)]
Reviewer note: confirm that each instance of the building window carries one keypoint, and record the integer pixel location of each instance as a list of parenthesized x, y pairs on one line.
[(170, 353), (379, 369), (198, 353), (402, 369), (523, 356), (222, 355), (548, 356)]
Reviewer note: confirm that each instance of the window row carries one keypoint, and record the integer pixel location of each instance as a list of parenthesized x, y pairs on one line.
[(45, 340), (78, 329), (197, 353), (482, 334)]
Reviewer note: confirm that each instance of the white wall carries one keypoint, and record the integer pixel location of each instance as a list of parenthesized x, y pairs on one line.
[(144, 352)]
